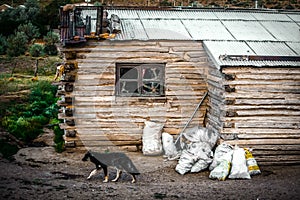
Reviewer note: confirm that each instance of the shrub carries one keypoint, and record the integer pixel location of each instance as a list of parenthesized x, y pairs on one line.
[(58, 139), (3, 45), (27, 121), (36, 50), (30, 31), (51, 39), (16, 44)]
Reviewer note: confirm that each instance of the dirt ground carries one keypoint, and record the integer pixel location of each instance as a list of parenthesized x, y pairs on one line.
[(40, 173)]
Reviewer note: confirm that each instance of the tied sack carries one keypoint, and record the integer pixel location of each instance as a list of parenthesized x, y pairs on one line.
[(152, 145), (251, 163), (169, 146), (221, 162), (239, 168)]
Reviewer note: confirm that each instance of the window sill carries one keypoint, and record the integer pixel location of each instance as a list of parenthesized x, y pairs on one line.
[(140, 98)]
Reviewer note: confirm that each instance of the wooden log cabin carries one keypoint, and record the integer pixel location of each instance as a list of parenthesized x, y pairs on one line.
[(129, 65)]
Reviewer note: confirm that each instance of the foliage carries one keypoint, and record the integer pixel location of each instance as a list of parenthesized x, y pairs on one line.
[(58, 139), (165, 3), (32, 10), (26, 121), (97, 3), (3, 45), (50, 39), (36, 50), (30, 30), (16, 44)]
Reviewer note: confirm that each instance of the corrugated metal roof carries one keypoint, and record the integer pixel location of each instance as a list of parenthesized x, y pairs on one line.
[(243, 25), (206, 30), (283, 31), (133, 29), (157, 29), (295, 17), (124, 14), (229, 48), (157, 14), (196, 14), (234, 15), (295, 46), (271, 48), (248, 30), (224, 32), (218, 50), (263, 16)]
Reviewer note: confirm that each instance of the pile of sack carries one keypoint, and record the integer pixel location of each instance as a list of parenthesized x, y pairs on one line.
[(234, 162), (196, 152)]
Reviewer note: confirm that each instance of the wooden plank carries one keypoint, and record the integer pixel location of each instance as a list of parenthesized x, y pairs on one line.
[(262, 70), (267, 130), (264, 142), (269, 136), (259, 124)]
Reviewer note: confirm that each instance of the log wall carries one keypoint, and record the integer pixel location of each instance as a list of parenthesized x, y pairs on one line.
[(105, 120), (258, 108)]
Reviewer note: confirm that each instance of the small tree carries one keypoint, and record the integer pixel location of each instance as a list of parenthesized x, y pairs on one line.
[(16, 44), (36, 50), (30, 30), (51, 39)]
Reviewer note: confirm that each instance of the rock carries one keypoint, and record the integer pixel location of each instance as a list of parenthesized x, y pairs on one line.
[(45, 139), (41, 155)]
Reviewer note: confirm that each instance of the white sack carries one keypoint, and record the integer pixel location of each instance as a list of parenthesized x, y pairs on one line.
[(239, 168), (205, 158), (196, 157), (220, 151), (222, 169), (201, 134), (185, 162), (169, 145), (152, 138)]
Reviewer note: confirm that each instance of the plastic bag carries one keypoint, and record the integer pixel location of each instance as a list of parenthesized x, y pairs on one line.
[(220, 151), (152, 138), (196, 157), (251, 163), (201, 134), (169, 147), (185, 162), (221, 171), (239, 168), (204, 161)]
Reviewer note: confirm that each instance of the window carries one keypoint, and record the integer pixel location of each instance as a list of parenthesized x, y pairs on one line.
[(140, 79)]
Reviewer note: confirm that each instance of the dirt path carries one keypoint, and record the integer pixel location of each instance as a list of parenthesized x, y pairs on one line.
[(40, 173)]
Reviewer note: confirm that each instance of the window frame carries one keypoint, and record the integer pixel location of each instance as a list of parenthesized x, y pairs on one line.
[(140, 80)]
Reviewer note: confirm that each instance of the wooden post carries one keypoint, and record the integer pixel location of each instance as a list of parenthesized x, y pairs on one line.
[(36, 67)]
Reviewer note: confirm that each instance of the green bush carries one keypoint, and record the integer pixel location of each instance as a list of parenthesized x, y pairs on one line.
[(36, 50), (30, 31), (58, 139), (3, 45), (26, 121), (16, 44)]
